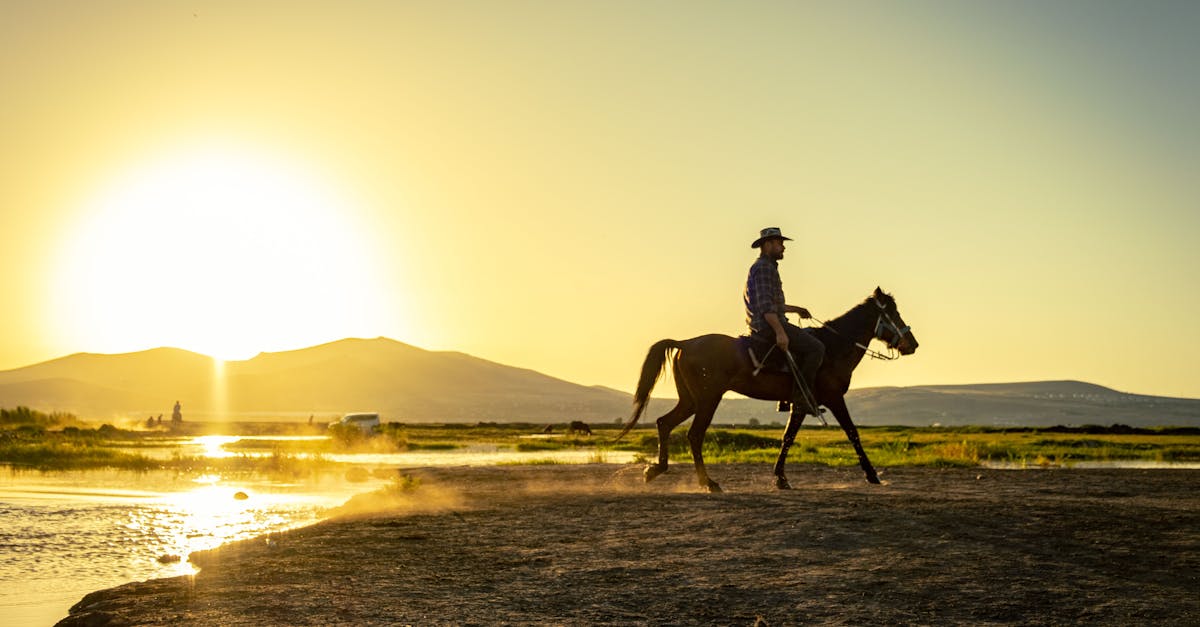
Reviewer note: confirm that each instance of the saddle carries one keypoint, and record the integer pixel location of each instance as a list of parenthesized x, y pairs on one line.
[(763, 354), (764, 358)]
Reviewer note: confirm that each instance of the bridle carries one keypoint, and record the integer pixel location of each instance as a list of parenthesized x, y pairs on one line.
[(883, 323)]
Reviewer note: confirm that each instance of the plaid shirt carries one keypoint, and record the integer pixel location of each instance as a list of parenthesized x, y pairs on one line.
[(764, 293)]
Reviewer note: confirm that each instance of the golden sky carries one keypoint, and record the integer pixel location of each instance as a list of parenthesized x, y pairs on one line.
[(557, 185)]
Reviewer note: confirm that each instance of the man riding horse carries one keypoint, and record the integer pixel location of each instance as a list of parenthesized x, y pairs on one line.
[(707, 366), (766, 314)]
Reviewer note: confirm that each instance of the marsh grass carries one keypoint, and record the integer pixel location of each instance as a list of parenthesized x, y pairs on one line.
[(65, 454), (86, 449), (929, 447), (29, 444), (279, 464), (540, 445), (24, 416)]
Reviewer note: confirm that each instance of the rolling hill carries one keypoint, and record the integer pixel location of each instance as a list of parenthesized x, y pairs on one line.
[(1032, 404), (402, 382), (408, 384)]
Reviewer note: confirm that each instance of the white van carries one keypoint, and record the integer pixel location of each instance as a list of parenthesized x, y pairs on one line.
[(368, 422)]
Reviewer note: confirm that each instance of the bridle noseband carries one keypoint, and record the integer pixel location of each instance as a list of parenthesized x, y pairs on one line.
[(885, 323)]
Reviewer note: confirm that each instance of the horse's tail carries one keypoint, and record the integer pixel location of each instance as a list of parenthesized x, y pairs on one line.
[(652, 369)]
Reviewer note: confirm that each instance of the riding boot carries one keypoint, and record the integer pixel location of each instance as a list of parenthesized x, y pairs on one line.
[(800, 404)]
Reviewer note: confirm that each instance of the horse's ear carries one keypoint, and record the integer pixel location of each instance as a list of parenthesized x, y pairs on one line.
[(878, 291)]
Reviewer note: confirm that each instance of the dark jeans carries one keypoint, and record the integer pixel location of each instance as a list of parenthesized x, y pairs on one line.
[(808, 351)]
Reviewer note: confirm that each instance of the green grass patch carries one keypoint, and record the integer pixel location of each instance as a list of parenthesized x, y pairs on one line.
[(278, 464), (25, 441), (542, 445), (928, 447), (24, 416), (64, 454)]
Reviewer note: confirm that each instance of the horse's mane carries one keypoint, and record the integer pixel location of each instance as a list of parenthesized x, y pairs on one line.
[(861, 315)]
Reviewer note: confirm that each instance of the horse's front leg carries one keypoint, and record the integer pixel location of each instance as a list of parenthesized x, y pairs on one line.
[(838, 407), (789, 436)]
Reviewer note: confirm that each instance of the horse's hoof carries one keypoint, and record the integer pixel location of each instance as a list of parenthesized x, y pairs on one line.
[(653, 470), (781, 483), (873, 479), (712, 487)]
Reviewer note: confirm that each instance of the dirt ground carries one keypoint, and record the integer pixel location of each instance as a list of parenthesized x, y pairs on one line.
[(586, 545)]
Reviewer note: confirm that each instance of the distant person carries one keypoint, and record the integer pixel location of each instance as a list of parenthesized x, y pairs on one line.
[(160, 419), (177, 413), (766, 313)]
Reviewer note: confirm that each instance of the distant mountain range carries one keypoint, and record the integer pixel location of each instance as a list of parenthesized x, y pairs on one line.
[(408, 384), (1032, 404)]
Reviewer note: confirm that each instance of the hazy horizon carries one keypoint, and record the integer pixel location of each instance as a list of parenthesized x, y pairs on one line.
[(558, 186), (664, 390)]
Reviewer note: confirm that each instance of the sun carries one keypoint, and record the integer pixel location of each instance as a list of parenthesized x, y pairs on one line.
[(226, 251)]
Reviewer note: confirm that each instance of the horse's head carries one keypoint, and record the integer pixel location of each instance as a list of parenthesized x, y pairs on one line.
[(891, 327)]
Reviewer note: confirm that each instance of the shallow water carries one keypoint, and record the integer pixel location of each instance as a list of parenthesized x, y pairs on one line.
[(213, 446), (65, 534)]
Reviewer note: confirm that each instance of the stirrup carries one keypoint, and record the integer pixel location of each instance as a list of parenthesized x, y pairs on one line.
[(759, 364), (819, 412)]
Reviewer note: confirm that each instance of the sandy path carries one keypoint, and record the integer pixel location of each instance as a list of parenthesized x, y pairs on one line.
[(593, 545)]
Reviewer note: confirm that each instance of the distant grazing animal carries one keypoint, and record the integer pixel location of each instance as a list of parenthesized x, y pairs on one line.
[(707, 366), (578, 426)]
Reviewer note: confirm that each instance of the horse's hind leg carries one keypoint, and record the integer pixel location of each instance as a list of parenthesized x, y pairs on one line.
[(666, 423), (704, 416)]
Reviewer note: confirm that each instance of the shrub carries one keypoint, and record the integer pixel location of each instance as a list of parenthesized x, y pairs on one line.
[(346, 436), (25, 416)]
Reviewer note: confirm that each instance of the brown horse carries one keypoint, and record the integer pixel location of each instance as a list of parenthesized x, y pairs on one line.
[(707, 366)]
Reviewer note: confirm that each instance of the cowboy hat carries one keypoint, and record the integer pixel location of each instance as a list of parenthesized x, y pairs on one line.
[(771, 232)]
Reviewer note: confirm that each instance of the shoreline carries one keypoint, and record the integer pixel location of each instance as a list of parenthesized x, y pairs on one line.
[(592, 544)]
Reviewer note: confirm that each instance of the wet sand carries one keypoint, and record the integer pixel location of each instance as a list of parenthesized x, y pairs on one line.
[(592, 544)]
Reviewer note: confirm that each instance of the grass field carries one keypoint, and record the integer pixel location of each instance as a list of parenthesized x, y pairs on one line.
[(34, 442), (909, 446)]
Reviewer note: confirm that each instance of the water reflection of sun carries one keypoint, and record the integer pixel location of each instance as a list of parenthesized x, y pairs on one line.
[(212, 514), (213, 446)]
